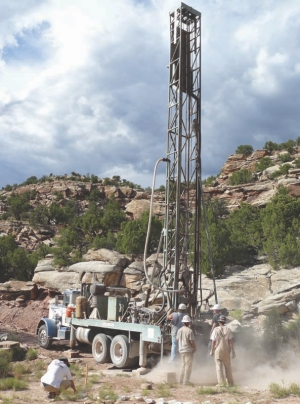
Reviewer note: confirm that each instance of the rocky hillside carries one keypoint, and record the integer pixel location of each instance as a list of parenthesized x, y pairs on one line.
[(260, 192), (135, 202)]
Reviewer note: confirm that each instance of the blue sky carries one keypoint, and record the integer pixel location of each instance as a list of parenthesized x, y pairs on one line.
[(83, 84)]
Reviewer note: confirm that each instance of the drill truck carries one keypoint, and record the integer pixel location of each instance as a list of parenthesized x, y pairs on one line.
[(119, 330)]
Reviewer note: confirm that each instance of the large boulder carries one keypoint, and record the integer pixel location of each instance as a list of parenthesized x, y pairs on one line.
[(132, 276), (107, 256), (45, 264), (242, 286), (56, 281), (97, 271)]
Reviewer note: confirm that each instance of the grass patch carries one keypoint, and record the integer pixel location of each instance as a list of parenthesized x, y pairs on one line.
[(281, 391), (207, 390), (19, 370), (5, 400), (31, 354), (10, 383), (106, 392), (77, 370), (5, 362), (163, 390), (13, 337)]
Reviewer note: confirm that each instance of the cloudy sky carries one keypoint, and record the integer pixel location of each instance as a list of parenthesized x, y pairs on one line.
[(84, 83)]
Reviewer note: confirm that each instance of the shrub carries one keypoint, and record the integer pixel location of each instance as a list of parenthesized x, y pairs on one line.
[(241, 177), (271, 146), (285, 157), (5, 362), (209, 180), (12, 384), (244, 149), (282, 170), (31, 354), (107, 393), (8, 188), (282, 391), (19, 370), (297, 162), (208, 390), (263, 163), (18, 353)]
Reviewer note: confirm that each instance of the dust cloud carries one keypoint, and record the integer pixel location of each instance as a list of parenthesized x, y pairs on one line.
[(251, 368)]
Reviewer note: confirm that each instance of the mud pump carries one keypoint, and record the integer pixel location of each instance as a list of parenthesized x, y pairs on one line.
[(119, 330)]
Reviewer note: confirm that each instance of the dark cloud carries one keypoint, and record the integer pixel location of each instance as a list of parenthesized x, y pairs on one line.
[(99, 103)]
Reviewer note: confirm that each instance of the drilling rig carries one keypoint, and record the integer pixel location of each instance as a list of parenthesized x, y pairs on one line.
[(119, 330)]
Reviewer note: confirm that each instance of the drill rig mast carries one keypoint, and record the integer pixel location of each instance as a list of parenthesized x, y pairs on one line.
[(183, 186)]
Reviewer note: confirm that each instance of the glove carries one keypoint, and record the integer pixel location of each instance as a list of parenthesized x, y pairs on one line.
[(233, 355), (211, 353)]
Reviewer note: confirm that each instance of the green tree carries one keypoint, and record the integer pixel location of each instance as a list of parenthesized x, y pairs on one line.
[(281, 229), (219, 236), (244, 149), (132, 236), (39, 216), (90, 222), (245, 231), (289, 145), (113, 216), (22, 264), (70, 246), (209, 180), (108, 241), (284, 158), (263, 163), (31, 180), (57, 214), (7, 245), (18, 204), (271, 146), (95, 195), (242, 176)]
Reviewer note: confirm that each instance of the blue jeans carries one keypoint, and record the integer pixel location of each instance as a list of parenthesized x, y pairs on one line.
[(173, 349)]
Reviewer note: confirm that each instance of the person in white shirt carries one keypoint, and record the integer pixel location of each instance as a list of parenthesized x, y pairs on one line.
[(58, 377)]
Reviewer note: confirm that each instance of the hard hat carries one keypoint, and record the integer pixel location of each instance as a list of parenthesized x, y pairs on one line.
[(222, 319), (182, 306), (186, 319), (217, 307)]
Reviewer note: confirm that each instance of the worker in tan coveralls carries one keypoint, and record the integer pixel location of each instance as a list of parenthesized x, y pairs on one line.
[(187, 348), (222, 346)]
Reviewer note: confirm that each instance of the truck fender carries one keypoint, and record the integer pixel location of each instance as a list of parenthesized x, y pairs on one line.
[(51, 327)]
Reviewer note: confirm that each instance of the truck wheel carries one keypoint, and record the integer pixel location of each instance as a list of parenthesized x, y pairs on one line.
[(100, 348), (119, 352), (44, 340)]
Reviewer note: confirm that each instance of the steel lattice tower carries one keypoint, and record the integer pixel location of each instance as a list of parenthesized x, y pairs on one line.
[(183, 196)]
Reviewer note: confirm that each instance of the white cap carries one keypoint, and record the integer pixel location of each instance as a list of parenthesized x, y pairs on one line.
[(186, 319), (182, 306), (217, 307)]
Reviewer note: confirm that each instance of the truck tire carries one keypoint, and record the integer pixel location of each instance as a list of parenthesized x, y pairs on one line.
[(44, 340), (101, 348), (119, 352)]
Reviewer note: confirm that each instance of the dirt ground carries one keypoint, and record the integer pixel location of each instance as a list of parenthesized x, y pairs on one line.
[(104, 383)]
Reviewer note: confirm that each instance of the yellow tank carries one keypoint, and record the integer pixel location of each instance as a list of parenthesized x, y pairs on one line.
[(81, 306)]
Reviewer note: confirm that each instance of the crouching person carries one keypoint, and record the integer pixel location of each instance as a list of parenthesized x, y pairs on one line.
[(58, 377)]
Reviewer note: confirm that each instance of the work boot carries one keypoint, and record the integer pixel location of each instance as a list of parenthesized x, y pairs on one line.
[(51, 395)]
